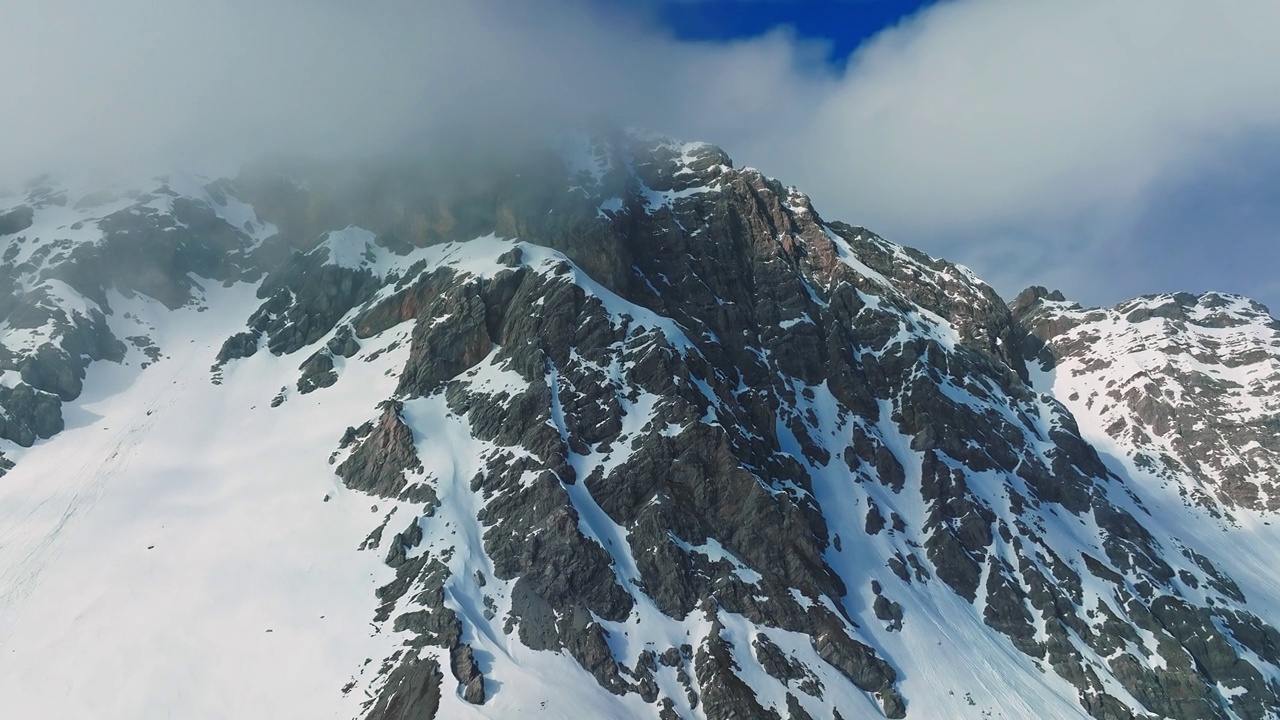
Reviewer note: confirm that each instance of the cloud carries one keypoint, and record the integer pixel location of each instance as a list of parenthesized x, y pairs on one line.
[(1026, 135), (1038, 142), (1006, 104), (140, 81), (164, 82)]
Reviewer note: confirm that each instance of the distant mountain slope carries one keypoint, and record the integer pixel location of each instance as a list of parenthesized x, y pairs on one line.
[(613, 429), (1189, 384)]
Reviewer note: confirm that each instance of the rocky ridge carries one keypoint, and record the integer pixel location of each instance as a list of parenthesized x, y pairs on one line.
[(730, 458), (1188, 385), (67, 248)]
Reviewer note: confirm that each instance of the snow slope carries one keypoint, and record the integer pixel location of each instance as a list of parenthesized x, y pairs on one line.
[(172, 554)]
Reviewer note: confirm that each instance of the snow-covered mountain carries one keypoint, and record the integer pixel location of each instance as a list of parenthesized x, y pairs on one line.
[(1187, 385), (613, 429)]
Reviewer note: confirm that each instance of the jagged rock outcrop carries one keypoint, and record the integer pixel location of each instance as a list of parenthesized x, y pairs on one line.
[(16, 220), (652, 417), (28, 414), (384, 460), (413, 691)]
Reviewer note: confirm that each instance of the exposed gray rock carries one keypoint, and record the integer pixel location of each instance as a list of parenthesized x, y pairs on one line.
[(240, 345), (15, 220), (467, 673), (27, 414), (411, 691), (885, 609), (1184, 417), (317, 372), (724, 694), (343, 343), (379, 464), (303, 302)]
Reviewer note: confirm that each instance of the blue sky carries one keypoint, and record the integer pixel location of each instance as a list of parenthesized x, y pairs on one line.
[(844, 24)]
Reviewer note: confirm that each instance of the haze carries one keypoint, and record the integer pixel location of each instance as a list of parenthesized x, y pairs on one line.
[(1110, 149)]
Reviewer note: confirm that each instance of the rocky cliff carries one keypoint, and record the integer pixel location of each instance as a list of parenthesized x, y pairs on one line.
[(651, 421)]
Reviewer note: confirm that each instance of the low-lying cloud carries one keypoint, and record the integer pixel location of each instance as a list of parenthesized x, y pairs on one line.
[(142, 82), (1047, 135), (1058, 143)]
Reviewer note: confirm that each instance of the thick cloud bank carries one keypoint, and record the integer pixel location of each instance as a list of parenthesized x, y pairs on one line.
[(1110, 148)]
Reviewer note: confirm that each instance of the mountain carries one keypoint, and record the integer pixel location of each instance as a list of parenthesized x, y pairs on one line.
[(610, 428), (1188, 386)]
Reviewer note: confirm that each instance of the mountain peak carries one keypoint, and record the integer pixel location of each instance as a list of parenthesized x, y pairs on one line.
[(1188, 382), (610, 429)]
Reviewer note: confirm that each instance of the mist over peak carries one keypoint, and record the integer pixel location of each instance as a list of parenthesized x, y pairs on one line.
[(1022, 140)]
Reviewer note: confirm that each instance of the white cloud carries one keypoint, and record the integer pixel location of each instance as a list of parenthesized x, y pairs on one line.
[(1057, 123), (1002, 107), (973, 129), (146, 81)]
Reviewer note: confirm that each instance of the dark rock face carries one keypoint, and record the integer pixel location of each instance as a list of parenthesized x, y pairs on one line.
[(154, 254), (467, 674), (888, 610), (380, 464), (413, 692), (724, 694), (442, 349), (310, 301), (317, 372), (302, 303), (767, 369), (28, 414), (59, 369), (15, 220), (240, 345)]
